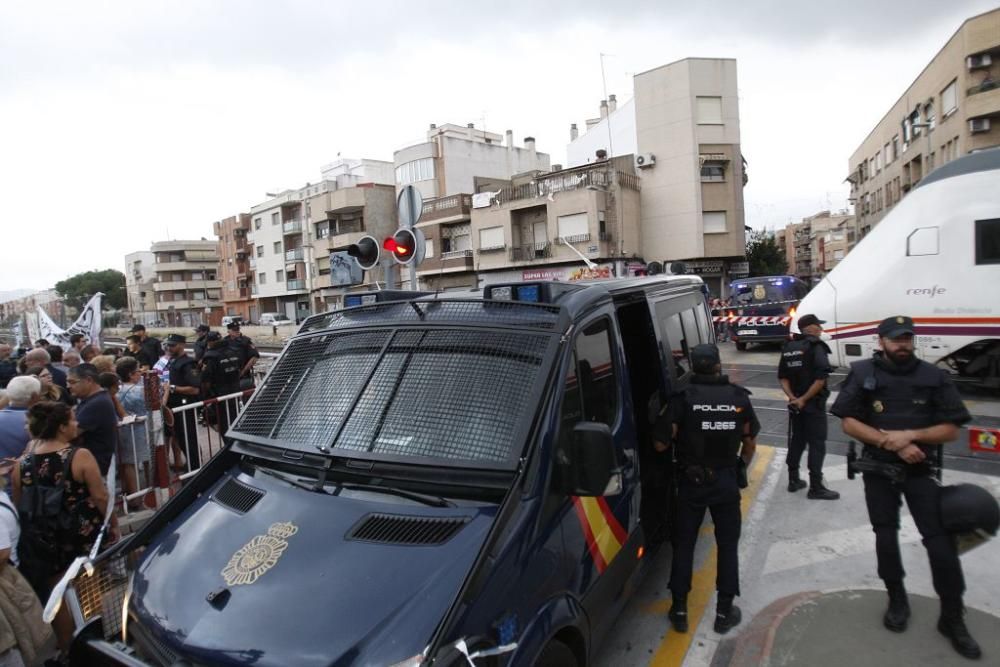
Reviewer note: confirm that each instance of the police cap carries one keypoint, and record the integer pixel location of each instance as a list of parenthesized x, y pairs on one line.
[(137, 328), (809, 320), (213, 336), (896, 326), (233, 326), (174, 339), (202, 328), (705, 357)]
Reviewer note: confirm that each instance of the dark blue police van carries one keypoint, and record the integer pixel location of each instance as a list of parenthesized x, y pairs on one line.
[(762, 308), (418, 481)]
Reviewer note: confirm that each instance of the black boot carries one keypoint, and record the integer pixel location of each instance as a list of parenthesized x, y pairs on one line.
[(898, 613), (727, 615), (794, 481), (678, 613), (817, 491), (952, 625)]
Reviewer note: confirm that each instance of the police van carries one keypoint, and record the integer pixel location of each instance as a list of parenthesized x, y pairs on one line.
[(425, 481), (763, 308)]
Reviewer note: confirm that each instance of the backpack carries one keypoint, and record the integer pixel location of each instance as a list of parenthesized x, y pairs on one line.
[(44, 523)]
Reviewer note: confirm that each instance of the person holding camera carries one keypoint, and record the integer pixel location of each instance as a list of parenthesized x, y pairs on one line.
[(802, 371), (707, 423), (901, 408)]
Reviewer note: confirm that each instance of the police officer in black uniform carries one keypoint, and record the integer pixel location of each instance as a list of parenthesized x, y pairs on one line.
[(220, 376), (185, 388), (200, 344), (901, 408), (803, 370), (708, 421), (248, 354)]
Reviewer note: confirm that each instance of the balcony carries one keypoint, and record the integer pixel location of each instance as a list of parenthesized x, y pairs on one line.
[(253, 290), (294, 255), (292, 227), (446, 207), (295, 285), (531, 252), (456, 254), (988, 84), (452, 261), (577, 238), (252, 262), (491, 249)]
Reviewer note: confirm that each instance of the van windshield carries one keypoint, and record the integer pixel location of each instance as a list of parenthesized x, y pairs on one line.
[(457, 397)]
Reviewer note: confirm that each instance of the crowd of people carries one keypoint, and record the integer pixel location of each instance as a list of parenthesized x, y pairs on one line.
[(68, 415)]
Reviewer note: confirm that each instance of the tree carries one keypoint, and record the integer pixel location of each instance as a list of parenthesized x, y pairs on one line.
[(78, 289), (765, 256)]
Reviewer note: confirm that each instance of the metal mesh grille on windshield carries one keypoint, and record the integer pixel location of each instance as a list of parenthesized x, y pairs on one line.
[(309, 391), (445, 394)]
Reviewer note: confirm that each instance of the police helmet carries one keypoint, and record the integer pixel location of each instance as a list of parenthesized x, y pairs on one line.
[(971, 513)]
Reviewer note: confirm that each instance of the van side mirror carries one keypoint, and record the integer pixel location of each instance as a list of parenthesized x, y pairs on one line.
[(592, 468)]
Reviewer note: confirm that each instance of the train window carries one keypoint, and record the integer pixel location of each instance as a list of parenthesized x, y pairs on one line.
[(922, 241), (988, 241)]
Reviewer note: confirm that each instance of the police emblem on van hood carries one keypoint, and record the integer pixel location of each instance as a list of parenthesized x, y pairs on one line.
[(258, 555), (319, 594)]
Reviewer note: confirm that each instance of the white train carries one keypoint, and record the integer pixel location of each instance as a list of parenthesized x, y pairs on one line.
[(934, 257)]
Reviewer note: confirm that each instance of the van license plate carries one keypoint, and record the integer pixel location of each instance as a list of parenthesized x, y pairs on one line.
[(746, 332)]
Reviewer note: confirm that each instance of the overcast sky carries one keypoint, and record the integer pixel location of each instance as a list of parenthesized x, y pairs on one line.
[(124, 123)]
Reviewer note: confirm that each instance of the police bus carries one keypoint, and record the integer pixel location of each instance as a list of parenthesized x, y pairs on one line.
[(415, 482), (762, 308)]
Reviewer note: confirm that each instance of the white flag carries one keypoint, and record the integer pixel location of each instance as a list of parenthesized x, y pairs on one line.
[(88, 324)]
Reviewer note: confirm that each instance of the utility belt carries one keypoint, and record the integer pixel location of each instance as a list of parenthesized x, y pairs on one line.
[(702, 475), (894, 472)]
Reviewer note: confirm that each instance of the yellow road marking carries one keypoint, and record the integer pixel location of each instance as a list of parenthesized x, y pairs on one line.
[(675, 645)]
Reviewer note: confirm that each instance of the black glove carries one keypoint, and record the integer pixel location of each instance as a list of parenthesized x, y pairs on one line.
[(741, 473)]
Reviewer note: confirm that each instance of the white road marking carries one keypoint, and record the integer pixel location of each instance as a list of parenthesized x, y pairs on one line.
[(830, 545)]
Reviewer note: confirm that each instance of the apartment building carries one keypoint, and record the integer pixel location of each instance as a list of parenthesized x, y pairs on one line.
[(952, 108), (281, 250), (683, 128), (139, 280), (235, 271), (535, 226), (816, 245), (187, 287), (349, 172), (452, 157), (339, 218)]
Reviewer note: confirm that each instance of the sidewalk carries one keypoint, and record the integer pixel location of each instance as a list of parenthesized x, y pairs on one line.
[(815, 628)]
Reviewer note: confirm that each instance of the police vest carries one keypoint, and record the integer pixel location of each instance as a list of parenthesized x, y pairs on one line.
[(897, 400), (223, 370), (797, 364), (712, 424)]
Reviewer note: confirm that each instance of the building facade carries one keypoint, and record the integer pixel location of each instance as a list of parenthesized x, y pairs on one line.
[(952, 108), (542, 225), (234, 267), (339, 218), (140, 277), (816, 245), (683, 128), (187, 287), (453, 157)]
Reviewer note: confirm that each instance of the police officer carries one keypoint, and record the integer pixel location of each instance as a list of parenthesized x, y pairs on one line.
[(901, 407), (220, 376), (248, 354), (803, 370), (184, 388), (708, 421), (200, 344)]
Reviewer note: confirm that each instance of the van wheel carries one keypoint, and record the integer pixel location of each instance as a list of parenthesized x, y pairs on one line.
[(742, 347), (556, 654)]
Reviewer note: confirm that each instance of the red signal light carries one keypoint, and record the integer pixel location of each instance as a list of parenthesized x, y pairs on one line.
[(402, 245), (389, 244)]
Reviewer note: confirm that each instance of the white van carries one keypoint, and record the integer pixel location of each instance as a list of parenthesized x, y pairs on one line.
[(274, 319)]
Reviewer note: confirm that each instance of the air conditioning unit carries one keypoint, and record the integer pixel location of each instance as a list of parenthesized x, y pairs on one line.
[(977, 125), (645, 160), (981, 60)]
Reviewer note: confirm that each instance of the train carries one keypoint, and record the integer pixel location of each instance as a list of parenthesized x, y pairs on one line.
[(936, 258)]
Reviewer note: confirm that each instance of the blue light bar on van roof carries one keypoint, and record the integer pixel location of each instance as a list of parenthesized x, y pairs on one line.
[(529, 293)]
